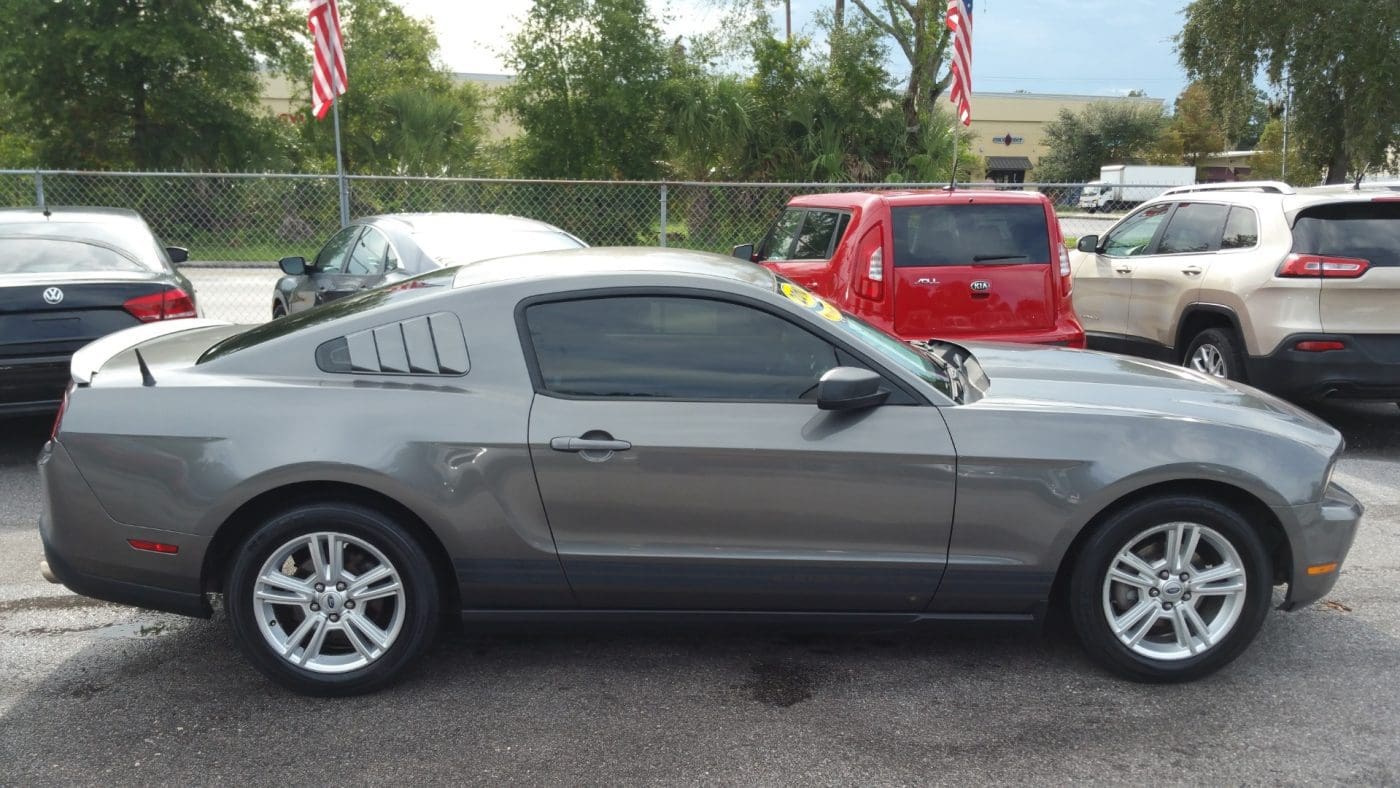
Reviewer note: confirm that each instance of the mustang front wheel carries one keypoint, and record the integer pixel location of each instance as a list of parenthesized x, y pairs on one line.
[(331, 599), (1171, 589)]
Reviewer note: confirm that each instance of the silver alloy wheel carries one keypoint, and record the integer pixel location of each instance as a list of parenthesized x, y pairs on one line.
[(1210, 360), (329, 602), (1174, 591)]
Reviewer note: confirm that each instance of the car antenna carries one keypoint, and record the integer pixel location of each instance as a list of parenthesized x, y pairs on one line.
[(146, 378)]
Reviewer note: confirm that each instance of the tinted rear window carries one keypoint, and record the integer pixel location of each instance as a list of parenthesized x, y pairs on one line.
[(345, 307), (928, 235), (52, 256), (1368, 230)]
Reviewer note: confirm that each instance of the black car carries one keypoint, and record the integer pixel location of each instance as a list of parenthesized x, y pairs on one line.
[(67, 277), (379, 250)]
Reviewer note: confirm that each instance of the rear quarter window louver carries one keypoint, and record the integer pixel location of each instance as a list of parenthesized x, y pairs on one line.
[(428, 345)]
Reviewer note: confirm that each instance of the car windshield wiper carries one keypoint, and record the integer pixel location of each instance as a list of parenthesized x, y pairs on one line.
[(982, 258), (957, 378)]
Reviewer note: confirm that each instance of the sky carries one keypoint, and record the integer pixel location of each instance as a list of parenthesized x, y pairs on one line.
[(1097, 47)]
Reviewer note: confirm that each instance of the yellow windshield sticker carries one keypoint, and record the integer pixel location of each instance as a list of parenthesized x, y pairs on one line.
[(806, 300)]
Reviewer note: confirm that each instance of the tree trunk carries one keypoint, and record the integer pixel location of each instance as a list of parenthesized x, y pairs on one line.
[(1337, 163), (838, 23)]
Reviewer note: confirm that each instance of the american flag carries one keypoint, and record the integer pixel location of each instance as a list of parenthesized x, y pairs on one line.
[(960, 22), (328, 73)]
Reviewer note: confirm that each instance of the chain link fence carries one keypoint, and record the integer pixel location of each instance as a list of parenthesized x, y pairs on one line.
[(236, 225)]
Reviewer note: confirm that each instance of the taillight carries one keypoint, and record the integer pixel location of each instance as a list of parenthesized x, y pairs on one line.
[(154, 547), (870, 255), (62, 409), (1066, 283), (1319, 345), (166, 305), (1316, 265)]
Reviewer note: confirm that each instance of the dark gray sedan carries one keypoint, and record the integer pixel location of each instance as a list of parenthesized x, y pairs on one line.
[(630, 433), (378, 250)]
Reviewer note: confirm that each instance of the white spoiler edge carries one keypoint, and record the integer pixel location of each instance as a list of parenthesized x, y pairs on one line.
[(93, 355)]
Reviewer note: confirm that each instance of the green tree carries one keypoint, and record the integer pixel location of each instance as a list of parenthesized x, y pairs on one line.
[(589, 91), (1194, 131), (1267, 163), (403, 113), (918, 28), (145, 84), (1102, 133), (1342, 59)]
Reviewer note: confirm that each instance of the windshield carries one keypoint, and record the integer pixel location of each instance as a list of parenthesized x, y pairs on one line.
[(927, 367), (361, 302), (130, 236), (33, 255), (450, 247)]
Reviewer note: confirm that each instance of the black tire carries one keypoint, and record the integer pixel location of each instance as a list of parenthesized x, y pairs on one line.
[(421, 601), (1087, 594), (1226, 344), (278, 310)]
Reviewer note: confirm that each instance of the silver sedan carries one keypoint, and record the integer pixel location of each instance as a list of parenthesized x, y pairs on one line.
[(625, 433)]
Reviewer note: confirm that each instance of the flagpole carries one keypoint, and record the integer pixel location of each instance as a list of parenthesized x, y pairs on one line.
[(340, 167), (953, 176)]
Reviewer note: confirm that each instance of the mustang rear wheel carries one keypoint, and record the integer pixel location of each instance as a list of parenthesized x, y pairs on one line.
[(331, 599), (1171, 589)]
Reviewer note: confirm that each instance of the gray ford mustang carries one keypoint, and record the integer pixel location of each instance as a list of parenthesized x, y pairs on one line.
[(639, 433)]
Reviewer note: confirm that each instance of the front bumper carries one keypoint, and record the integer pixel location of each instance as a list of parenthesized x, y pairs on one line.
[(1369, 368), (32, 385), (89, 553), (1318, 534)]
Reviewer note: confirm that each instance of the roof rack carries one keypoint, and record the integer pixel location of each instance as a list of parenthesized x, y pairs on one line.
[(1268, 187)]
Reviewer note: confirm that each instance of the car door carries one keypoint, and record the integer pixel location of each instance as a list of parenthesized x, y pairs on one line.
[(364, 267), (806, 258), (1167, 281), (684, 465), (329, 263), (1103, 279)]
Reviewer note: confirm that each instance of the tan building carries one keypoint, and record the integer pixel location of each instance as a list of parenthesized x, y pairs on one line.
[(288, 101), (1010, 128)]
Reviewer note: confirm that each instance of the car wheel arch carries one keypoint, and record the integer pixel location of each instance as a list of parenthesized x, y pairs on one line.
[(237, 526), (1200, 317), (1253, 508)]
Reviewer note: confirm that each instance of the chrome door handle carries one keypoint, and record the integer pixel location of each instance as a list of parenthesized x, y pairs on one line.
[(1192, 270), (588, 444), (1124, 270)]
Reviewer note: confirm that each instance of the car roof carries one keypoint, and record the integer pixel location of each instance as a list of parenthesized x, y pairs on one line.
[(462, 222), (74, 214), (606, 263), (1290, 200), (916, 197)]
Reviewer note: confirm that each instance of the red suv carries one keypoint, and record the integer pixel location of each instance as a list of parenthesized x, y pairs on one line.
[(960, 265)]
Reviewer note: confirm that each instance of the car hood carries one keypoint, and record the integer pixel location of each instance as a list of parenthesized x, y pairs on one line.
[(1060, 378)]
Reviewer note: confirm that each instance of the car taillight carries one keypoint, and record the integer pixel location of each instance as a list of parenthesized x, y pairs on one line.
[(870, 283), (1319, 345), (1316, 265), (62, 409), (1066, 283), (166, 305)]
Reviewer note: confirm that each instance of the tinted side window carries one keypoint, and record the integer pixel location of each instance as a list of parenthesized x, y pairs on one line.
[(928, 235), (779, 244), (1195, 227), (331, 259), (818, 231), (674, 347), (1368, 230), (1134, 235), (367, 256), (1241, 230)]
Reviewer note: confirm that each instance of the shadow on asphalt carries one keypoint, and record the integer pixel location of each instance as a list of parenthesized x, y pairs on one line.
[(1370, 428), (21, 439)]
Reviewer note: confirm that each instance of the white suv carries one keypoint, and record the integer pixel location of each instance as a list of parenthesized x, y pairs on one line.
[(1293, 291)]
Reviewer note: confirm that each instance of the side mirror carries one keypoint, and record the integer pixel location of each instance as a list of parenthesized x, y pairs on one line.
[(850, 388), (178, 254), (293, 266), (1088, 243), (744, 252)]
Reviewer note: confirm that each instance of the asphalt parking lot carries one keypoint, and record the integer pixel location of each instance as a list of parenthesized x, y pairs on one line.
[(91, 692)]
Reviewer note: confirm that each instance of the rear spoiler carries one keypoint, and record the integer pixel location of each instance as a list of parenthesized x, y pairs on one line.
[(92, 356)]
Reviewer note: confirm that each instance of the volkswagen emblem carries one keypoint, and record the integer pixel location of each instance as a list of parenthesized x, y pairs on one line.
[(52, 295), (981, 286)]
